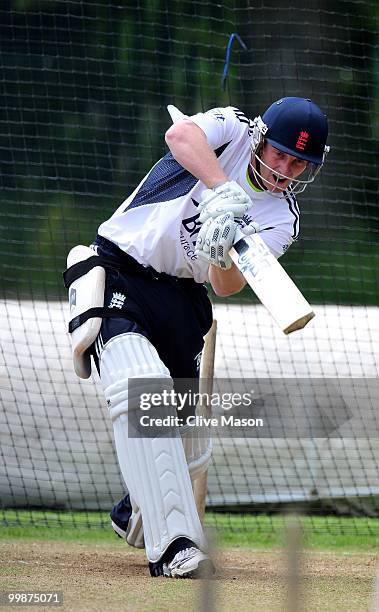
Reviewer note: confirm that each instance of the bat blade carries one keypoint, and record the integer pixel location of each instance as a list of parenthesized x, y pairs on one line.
[(271, 283)]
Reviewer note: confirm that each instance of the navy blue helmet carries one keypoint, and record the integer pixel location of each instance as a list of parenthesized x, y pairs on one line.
[(297, 126)]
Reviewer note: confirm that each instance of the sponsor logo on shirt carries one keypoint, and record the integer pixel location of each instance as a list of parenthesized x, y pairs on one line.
[(187, 247), (188, 234)]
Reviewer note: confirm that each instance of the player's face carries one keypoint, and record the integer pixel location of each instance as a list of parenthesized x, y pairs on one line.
[(279, 169)]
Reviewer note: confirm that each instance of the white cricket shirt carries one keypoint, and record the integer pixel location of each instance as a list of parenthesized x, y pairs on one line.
[(159, 222)]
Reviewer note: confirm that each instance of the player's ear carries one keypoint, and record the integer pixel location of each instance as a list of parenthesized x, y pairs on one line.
[(262, 148)]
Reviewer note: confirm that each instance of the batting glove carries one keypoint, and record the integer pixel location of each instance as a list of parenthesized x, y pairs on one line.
[(228, 197), (216, 238)]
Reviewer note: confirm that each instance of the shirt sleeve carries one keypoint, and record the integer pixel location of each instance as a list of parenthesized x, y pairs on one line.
[(221, 125), (278, 241)]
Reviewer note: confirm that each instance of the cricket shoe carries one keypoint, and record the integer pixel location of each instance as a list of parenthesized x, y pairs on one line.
[(187, 562), (191, 563)]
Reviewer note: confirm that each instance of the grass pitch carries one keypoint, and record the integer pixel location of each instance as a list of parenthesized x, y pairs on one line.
[(97, 571)]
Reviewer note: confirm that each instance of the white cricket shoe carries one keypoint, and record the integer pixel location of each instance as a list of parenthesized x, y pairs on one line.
[(190, 563)]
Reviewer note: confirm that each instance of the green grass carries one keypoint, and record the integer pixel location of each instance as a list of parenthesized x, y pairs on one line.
[(320, 532), (230, 530)]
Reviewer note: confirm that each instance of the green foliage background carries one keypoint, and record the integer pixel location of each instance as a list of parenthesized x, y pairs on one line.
[(84, 86)]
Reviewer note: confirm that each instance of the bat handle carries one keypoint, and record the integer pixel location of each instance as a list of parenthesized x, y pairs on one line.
[(239, 235)]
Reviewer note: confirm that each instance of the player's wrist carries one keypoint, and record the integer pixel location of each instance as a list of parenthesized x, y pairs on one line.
[(219, 184), (225, 282)]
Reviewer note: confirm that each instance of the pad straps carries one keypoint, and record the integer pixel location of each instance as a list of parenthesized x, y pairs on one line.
[(100, 311), (82, 267)]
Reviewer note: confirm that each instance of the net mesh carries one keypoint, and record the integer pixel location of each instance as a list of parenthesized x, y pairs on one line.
[(83, 93)]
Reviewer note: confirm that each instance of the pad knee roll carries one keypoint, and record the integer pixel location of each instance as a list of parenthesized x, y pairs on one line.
[(127, 357)]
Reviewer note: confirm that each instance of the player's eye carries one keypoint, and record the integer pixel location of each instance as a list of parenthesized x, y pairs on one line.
[(299, 163)]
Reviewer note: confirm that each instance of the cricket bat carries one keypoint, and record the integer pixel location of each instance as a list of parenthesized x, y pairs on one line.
[(271, 283), (206, 388)]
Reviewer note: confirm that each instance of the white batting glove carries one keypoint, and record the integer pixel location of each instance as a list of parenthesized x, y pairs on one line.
[(228, 197), (216, 238)]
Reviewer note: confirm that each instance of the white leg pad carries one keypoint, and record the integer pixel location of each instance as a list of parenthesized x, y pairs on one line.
[(154, 469), (198, 451)]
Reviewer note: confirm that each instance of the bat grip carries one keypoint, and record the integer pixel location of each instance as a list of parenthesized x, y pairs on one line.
[(239, 235)]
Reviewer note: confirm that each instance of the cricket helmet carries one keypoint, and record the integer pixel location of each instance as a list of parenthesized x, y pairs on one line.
[(297, 126)]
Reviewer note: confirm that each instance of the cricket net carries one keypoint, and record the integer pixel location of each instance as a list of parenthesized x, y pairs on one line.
[(84, 89)]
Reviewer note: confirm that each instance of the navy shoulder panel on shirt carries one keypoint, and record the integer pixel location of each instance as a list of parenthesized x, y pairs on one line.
[(167, 181)]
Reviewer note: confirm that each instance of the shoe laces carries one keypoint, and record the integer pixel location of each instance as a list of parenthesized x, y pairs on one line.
[(186, 552)]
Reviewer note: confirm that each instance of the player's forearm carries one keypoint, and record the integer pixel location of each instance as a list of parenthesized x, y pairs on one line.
[(226, 282), (189, 146)]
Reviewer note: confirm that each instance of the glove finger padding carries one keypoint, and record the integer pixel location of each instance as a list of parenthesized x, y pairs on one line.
[(229, 197), (215, 239)]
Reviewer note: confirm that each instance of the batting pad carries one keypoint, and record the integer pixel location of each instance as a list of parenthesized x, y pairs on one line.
[(85, 293), (197, 446), (154, 469)]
